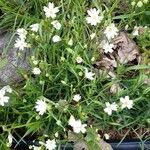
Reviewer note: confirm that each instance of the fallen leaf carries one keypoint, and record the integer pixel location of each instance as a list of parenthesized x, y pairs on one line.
[(106, 63), (115, 88), (80, 146), (127, 49), (104, 145)]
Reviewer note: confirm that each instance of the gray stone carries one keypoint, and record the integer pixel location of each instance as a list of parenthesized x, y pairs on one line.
[(11, 62), (83, 146)]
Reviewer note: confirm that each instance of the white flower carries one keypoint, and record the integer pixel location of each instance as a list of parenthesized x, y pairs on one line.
[(94, 17), (79, 59), (50, 144), (10, 138), (133, 3), (51, 11), (22, 33), (36, 71), (108, 48), (136, 31), (7, 88), (139, 4), (56, 38), (35, 27), (41, 107), (56, 24), (110, 107), (106, 136), (111, 31), (70, 43), (21, 44), (76, 97), (71, 120), (145, 1), (20, 41), (126, 102), (3, 98), (92, 36), (77, 125), (89, 75)]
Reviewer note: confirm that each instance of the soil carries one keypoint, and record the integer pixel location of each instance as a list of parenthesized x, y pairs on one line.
[(127, 134)]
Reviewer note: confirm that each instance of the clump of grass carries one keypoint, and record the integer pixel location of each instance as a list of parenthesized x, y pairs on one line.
[(63, 82)]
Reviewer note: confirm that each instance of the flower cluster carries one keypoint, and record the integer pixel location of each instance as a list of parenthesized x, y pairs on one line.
[(110, 107), (136, 30), (49, 145), (110, 32), (3, 98), (21, 43), (125, 103), (36, 71), (56, 24), (70, 78), (50, 12), (139, 3)]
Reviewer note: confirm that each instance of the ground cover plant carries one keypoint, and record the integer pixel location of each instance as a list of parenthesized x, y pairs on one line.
[(88, 72)]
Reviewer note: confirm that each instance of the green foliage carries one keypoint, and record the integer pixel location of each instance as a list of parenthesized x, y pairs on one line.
[(62, 77), (143, 40)]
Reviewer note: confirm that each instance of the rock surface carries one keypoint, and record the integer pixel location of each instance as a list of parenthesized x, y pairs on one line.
[(102, 146), (10, 61)]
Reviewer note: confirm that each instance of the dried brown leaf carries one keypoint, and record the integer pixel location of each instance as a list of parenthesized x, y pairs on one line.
[(80, 146), (115, 88), (104, 145), (106, 63), (127, 49)]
